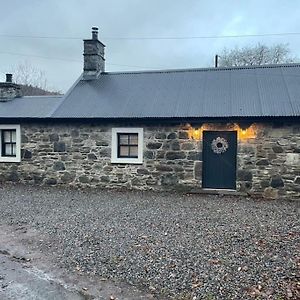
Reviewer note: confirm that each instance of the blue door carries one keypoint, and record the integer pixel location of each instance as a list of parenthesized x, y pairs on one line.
[(219, 159)]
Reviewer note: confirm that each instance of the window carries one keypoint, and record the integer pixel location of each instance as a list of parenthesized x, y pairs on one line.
[(10, 143), (127, 145)]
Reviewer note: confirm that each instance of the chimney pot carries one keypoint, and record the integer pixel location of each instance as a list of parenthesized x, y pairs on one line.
[(9, 78), (94, 33)]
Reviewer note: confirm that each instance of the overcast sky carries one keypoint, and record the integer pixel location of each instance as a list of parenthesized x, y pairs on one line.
[(61, 59)]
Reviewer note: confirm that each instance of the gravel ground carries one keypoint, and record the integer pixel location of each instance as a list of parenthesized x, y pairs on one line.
[(175, 246)]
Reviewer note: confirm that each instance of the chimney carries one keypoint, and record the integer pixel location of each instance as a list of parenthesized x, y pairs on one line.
[(94, 62), (9, 90), (8, 78)]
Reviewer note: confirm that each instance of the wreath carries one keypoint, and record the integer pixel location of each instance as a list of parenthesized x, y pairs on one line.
[(219, 145)]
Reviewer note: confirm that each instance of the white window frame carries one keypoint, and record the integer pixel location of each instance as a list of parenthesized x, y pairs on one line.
[(16, 158), (114, 145)]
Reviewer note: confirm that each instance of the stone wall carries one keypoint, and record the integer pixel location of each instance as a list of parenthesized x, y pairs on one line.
[(271, 161), (79, 155)]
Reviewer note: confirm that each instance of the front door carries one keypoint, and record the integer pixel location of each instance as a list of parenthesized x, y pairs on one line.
[(219, 159)]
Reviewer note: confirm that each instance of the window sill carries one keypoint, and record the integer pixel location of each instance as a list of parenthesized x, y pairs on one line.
[(126, 161), (10, 159)]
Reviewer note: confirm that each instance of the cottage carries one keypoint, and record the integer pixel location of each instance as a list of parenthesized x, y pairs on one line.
[(235, 129)]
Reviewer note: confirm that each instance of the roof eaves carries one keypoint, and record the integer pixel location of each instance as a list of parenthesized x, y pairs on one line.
[(44, 96)]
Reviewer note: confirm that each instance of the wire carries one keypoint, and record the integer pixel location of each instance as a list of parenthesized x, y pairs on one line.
[(39, 56), (112, 64), (74, 60), (204, 37), (40, 37), (135, 66), (154, 38)]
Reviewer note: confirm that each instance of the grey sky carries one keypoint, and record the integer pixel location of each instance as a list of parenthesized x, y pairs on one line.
[(137, 18)]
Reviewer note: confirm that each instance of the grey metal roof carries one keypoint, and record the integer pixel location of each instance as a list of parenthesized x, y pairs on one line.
[(29, 107), (255, 91), (220, 92)]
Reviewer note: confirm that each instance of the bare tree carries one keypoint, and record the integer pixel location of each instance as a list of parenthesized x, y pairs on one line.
[(259, 54), (32, 80), (26, 74)]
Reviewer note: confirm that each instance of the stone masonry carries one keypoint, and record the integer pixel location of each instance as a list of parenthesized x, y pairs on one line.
[(80, 155), (9, 91)]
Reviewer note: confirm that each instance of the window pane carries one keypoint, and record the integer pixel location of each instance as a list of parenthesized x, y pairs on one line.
[(13, 136), (14, 149), (6, 136), (8, 149), (133, 139), (124, 151), (123, 139), (133, 151)]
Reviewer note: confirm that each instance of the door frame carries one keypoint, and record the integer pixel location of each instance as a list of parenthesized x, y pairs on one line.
[(235, 162)]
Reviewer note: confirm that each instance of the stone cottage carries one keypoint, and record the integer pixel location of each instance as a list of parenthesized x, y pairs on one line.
[(234, 129)]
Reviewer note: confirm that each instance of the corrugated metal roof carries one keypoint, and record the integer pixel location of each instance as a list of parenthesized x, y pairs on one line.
[(223, 92), (254, 91), (29, 107)]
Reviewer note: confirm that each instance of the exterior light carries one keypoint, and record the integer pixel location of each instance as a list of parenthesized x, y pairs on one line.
[(195, 132), (246, 130)]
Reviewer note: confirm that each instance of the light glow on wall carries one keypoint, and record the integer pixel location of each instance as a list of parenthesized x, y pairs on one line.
[(243, 132)]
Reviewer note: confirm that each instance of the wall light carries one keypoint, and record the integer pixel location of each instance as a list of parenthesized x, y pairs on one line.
[(243, 131), (246, 130), (195, 133)]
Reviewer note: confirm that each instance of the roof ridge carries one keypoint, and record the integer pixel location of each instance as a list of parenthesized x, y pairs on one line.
[(266, 66), (43, 96), (66, 95)]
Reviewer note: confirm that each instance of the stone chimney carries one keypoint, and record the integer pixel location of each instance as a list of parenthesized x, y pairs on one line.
[(94, 62), (9, 90)]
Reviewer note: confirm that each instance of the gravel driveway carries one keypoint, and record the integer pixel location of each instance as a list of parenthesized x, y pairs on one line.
[(174, 246)]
